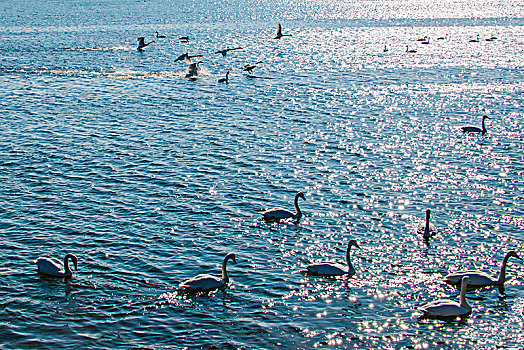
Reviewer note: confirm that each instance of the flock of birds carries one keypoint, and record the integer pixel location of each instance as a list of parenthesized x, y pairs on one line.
[(425, 41), (193, 67), (442, 308), (204, 283)]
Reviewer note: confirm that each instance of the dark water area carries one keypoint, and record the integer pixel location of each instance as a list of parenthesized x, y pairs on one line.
[(151, 178)]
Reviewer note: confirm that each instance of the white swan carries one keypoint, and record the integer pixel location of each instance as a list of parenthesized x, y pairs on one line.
[(279, 32), (203, 283), (249, 67), (426, 229), (448, 308), (481, 279), (186, 58), (225, 51), (334, 269), (54, 267), (276, 214), (475, 129), (224, 80), (142, 43)]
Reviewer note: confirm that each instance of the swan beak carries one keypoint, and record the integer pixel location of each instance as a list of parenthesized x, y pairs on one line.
[(518, 257), (356, 245), (234, 259)]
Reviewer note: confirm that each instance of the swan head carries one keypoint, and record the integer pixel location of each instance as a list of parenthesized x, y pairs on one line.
[(428, 213), (232, 256), (301, 195), (486, 117), (353, 243), (73, 258), (464, 283), (513, 254)]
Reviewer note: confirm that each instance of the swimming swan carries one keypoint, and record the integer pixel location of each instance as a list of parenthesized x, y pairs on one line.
[(410, 51), (475, 129), (481, 279), (160, 36), (334, 269), (279, 32), (280, 214), (203, 283), (449, 308), (142, 43), (54, 267), (224, 80), (426, 229)]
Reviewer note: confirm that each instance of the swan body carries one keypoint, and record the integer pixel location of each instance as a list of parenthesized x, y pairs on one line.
[(142, 43), (184, 39), (448, 308), (334, 269), (204, 283), (475, 40), (426, 229), (224, 80), (186, 58), (53, 267), (160, 36), (481, 279), (474, 129), (225, 51), (250, 67), (425, 38), (279, 32), (410, 51), (280, 214)]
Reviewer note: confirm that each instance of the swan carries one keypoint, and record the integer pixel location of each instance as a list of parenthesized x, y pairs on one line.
[(142, 43), (410, 51), (425, 42), (186, 58), (334, 269), (225, 51), (280, 214), (385, 48), (475, 129), (249, 67), (160, 36), (184, 39), (449, 308), (426, 229), (192, 69), (442, 37), (425, 38), (482, 279), (475, 40), (203, 283), (54, 267), (279, 32), (224, 80)]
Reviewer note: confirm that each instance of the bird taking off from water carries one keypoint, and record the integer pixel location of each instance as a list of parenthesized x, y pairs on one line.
[(142, 44), (279, 32), (249, 67), (225, 51), (186, 58)]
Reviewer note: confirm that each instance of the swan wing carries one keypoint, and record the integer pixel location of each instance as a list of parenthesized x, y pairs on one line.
[(278, 214), (50, 266), (444, 308), (327, 269), (203, 283), (476, 278)]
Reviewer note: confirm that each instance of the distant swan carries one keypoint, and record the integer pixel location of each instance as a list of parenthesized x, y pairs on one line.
[(482, 279), (192, 69), (203, 283), (280, 214), (475, 40), (448, 308), (184, 39), (410, 51), (186, 58), (493, 38), (423, 39), (54, 267), (385, 48), (425, 42), (142, 43), (279, 32), (426, 229), (224, 80), (475, 129), (249, 67), (160, 36), (225, 51), (334, 269)]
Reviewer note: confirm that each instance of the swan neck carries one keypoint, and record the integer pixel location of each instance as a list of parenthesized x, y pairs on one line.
[(299, 213), (463, 301), (225, 277), (484, 130), (502, 277), (348, 258), (67, 269)]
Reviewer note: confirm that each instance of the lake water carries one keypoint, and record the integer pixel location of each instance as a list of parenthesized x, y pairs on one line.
[(151, 178)]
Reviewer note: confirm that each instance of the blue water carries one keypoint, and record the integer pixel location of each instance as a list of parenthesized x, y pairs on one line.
[(151, 178)]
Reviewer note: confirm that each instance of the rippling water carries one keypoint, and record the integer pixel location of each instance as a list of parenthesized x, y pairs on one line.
[(151, 178)]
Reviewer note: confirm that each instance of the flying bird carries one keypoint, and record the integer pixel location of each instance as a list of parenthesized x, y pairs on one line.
[(249, 67), (225, 51), (186, 58), (142, 44)]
